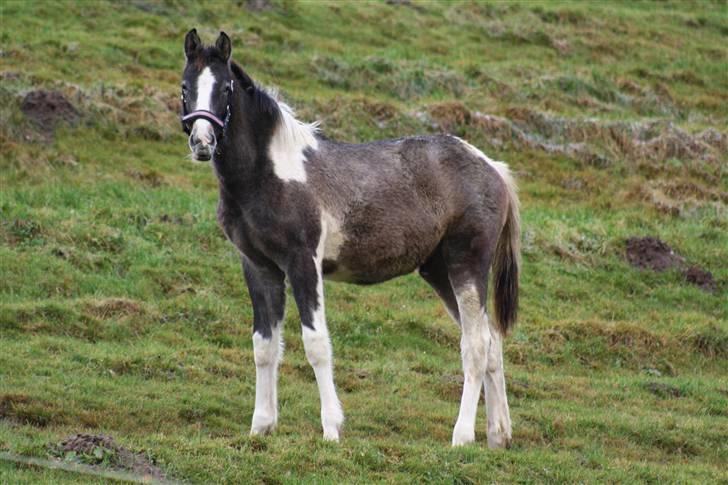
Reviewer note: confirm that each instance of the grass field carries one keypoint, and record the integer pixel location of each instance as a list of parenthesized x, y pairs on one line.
[(123, 309)]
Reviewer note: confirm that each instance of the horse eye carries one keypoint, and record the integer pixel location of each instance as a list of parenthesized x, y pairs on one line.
[(184, 87)]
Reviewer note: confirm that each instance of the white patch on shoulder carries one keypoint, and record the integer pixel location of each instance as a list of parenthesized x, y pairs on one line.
[(205, 83), (291, 138)]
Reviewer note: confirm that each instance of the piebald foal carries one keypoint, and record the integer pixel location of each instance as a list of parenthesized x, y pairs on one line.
[(300, 208)]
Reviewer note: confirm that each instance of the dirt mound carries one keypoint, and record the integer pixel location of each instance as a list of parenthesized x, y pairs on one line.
[(700, 277), (101, 450), (258, 5), (651, 253), (47, 109)]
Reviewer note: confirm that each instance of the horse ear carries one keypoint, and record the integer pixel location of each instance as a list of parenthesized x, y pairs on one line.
[(192, 42), (224, 45)]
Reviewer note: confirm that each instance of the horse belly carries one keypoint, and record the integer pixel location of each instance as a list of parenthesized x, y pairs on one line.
[(379, 250)]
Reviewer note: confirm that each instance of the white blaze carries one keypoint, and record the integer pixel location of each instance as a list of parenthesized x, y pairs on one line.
[(202, 128), (205, 83)]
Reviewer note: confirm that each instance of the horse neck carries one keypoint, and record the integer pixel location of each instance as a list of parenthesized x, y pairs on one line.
[(240, 160)]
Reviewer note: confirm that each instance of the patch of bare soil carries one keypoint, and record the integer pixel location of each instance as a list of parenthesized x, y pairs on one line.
[(258, 5), (47, 109), (654, 254), (102, 450), (405, 3), (662, 390), (701, 278), (651, 253)]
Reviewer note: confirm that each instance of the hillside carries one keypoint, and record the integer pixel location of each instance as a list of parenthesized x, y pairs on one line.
[(123, 310)]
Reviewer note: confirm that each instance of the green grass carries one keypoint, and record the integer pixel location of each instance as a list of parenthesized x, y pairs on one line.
[(123, 309)]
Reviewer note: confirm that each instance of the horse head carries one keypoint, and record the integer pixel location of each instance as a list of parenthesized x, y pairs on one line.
[(207, 91)]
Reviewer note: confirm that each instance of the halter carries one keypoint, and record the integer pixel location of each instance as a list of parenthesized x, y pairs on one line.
[(188, 118)]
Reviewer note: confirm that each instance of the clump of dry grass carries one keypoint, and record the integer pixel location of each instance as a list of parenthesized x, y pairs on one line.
[(588, 140)]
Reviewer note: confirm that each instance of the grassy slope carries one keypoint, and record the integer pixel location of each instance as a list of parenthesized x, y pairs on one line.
[(123, 311)]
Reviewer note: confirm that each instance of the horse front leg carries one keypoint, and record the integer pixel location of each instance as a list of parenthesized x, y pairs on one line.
[(266, 286), (307, 284)]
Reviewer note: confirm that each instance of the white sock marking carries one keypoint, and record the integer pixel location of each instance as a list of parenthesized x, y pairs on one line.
[(317, 345), (496, 399), (474, 346), (267, 354)]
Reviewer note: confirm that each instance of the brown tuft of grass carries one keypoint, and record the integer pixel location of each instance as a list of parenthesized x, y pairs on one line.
[(114, 307), (451, 116), (678, 197), (711, 341), (450, 387), (148, 177), (23, 409), (662, 390)]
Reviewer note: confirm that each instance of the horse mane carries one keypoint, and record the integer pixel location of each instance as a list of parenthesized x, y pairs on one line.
[(262, 102), (291, 134)]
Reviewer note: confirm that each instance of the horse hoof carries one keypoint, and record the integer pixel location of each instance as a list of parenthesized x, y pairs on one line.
[(461, 438), (499, 441), (262, 426), (332, 434)]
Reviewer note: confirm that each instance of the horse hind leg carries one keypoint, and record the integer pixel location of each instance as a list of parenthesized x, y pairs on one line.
[(496, 399), (480, 345), (434, 271), (475, 342)]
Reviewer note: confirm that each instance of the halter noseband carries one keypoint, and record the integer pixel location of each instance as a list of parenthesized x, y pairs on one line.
[(208, 115), (188, 118)]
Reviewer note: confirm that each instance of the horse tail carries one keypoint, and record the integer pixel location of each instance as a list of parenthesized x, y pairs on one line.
[(507, 257)]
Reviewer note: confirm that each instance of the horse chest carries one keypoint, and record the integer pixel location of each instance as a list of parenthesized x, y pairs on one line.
[(270, 233)]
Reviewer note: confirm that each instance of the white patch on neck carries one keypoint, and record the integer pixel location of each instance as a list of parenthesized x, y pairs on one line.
[(290, 140), (205, 83)]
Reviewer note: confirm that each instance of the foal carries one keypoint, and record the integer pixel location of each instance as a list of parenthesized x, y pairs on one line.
[(300, 207)]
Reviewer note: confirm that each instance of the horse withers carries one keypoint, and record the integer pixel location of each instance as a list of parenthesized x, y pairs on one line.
[(303, 208)]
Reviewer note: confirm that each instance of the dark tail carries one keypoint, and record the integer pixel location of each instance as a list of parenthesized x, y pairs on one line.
[(507, 259)]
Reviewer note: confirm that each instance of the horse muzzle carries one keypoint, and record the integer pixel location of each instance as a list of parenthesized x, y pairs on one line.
[(202, 152), (202, 140)]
